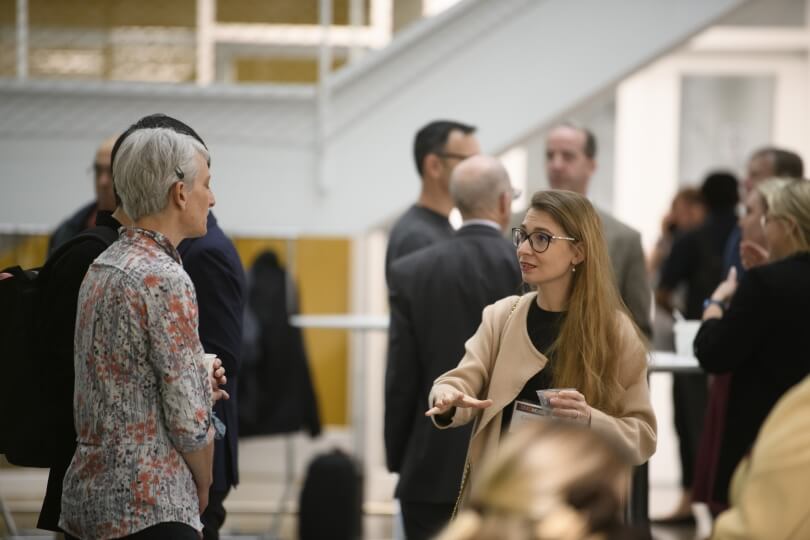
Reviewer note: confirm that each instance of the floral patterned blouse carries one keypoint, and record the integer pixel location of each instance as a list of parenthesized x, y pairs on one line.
[(141, 393)]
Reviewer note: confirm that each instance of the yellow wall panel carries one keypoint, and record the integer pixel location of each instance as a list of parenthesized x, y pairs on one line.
[(27, 252), (282, 11), (285, 70), (110, 13)]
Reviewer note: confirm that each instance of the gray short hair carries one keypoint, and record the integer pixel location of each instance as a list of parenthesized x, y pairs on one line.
[(148, 163), (476, 185)]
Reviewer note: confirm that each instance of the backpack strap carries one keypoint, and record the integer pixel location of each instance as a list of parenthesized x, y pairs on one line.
[(102, 234)]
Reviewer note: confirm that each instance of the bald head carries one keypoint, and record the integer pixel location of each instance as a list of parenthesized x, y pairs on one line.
[(102, 170), (481, 189)]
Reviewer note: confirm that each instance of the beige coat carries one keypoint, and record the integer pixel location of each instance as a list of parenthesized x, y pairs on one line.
[(500, 359), (769, 490)]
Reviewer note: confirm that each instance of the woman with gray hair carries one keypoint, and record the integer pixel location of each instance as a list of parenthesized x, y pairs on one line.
[(143, 395)]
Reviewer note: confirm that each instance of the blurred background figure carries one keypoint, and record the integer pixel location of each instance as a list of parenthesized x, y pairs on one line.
[(768, 162), (756, 332), (437, 148), (570, 165), (753, 252), (85, 217), (696, 261), (549, 481), (687, 212)]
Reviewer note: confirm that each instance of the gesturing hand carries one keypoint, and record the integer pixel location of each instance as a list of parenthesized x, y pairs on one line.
[(448, 399)]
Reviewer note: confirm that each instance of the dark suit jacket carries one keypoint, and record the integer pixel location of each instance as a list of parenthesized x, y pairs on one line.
[(762, 340), (219, 280), (416, 229), (629, 269), (64, 278), (436, 297)]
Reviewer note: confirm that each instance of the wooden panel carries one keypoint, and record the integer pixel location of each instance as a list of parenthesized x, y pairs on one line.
[(110, 13), (27, 252), (283, 11), (283, 70)]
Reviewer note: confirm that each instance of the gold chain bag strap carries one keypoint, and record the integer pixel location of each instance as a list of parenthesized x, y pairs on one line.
[(467, 461)]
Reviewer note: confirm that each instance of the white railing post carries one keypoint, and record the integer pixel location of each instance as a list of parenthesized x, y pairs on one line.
[(323, 97), (22, 39), (206, 18)]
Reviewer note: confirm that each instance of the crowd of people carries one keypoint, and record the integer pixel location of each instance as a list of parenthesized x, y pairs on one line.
[(535, 351)]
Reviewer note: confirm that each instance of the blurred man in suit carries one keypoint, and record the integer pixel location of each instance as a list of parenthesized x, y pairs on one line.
[(570, 163), (437, 295)]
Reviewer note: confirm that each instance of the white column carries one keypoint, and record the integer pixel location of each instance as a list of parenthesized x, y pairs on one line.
[(206, 18), (22, 39), (646, 167), (324, 69), (356, 24)]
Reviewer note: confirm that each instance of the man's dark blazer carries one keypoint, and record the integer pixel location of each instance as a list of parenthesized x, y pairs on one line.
[(219, 280), (436, 298), (762, 340)]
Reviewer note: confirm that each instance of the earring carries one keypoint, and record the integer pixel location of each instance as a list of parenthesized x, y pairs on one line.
[(573, 267)]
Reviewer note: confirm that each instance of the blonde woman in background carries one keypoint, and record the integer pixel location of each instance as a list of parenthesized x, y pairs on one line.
[(572, 333), (753, 252), (753, 247), (757, 331), (553, 481)]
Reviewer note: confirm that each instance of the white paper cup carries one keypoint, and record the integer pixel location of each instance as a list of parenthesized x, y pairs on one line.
[(544, 395), (208, 359), (685, 332)]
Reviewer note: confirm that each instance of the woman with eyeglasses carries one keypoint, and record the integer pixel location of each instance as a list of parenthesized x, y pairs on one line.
[(570, 335), (757, 332)]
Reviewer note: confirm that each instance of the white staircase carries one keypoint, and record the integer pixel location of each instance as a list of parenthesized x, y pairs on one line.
[(507, 66)]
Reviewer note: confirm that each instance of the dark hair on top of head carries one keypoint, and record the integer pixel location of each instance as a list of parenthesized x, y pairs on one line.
[(432, 138), (786, 164), (156, 120), (720, 190), (590, 139)]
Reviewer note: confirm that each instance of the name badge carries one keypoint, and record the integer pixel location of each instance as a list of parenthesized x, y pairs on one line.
[(524, 412)]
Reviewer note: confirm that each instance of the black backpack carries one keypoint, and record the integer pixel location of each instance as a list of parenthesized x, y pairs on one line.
[(24, 436)]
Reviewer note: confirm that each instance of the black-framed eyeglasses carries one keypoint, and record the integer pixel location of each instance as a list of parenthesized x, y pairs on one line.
[(539, 241)]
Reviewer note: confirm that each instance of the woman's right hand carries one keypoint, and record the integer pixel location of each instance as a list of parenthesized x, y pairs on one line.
[(752, 254), (450, 398)]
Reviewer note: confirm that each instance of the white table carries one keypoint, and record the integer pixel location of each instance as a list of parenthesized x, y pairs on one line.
[(672, 362), (354, 323)]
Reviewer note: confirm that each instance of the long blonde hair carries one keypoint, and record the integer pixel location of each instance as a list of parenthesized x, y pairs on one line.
[(586, 351), (792, 202), (550, 480)]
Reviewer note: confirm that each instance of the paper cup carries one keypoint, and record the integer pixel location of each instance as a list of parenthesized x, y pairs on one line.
[(685, 332), (208, 359), (544, 396)]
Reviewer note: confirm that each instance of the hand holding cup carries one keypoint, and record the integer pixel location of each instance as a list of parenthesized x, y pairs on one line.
[(216, 374)]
